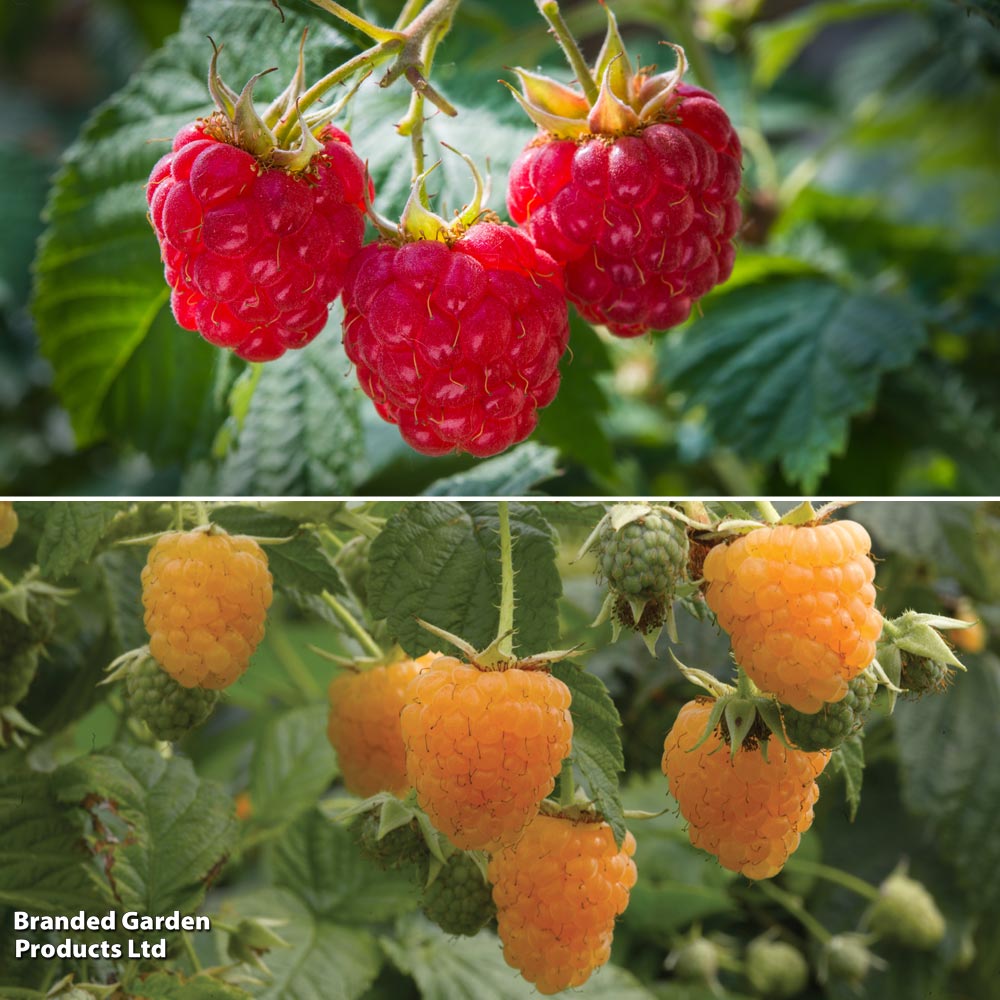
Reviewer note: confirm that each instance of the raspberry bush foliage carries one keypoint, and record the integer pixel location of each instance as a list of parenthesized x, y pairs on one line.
[(725, 247), (464, 777)]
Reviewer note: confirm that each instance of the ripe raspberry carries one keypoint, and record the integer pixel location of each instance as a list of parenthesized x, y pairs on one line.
[(459, 900), (776, 969), (8, 523), (364, 725), (18, 666), (906, 913), (168, 709), (255, 253), (458, 343), (799, 606), (483, 748), (747, 811), (398, 848), (920, 676), (832, 724), (631, 186), (558, 891), (206, 596)]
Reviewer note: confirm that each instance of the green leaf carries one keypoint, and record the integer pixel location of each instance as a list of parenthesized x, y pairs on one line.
[(44, 865), (293, 764), (174, 986), (441, 562), (318, 860), (171, 831), (302, 434), (512, 474), (597, 742), (777, 43), (448, 968), (571, 421), (326, 961), (72, 531), (121, 364), (849, 760), (947, 747), (300, 566), (780, 368)]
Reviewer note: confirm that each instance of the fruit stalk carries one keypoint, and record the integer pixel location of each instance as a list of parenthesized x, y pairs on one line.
[(505, 629), (369, 645), (549, 9)]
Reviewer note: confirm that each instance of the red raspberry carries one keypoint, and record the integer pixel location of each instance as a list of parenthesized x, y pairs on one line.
[(255, 254), (642, 223), (457, 342)]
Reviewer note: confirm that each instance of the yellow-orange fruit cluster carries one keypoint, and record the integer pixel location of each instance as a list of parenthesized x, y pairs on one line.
[(364, 726), (799, 606), (747, 811), (483, 748), (206, 597), (558, 891), (8, 523)]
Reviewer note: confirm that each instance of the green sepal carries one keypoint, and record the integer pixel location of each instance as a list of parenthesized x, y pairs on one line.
[(916, 632), (613, 62), (252, 132), (610, 114), (740, 715)]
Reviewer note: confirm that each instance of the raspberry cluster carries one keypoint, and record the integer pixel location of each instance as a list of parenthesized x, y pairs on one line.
[(558, 891), (748, 810), (255, 254), (483, 748), (799, 606), (364, 726), (206, 596)]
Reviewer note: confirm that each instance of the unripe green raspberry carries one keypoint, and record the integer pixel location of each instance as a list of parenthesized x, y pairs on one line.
[(834, 722), (645, 558), (18, 667), (695, 961), (459, 900), (906, 913), (352, 561), (39, 629), (168, 708), (402, 846), (921, 676), (846, 957), (776, 969)]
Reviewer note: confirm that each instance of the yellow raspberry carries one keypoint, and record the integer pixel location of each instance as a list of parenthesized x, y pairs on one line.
[(483, 748), (972, 639), (8, 523), (364, 725), (747, 811), (206, 597), (558, 891), (799, 606)]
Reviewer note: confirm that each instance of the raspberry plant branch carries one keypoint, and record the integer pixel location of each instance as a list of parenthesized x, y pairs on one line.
[(794, 906), (505, 629), (373, 31), (834, 875), (549, 9), (355, 628)]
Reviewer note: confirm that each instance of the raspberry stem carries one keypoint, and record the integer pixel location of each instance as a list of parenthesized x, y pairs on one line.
[(567, 784), (768, 511), (795, 907), (505, 630), (835, 875), (373, 31), (353, 625), (549, 9)]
